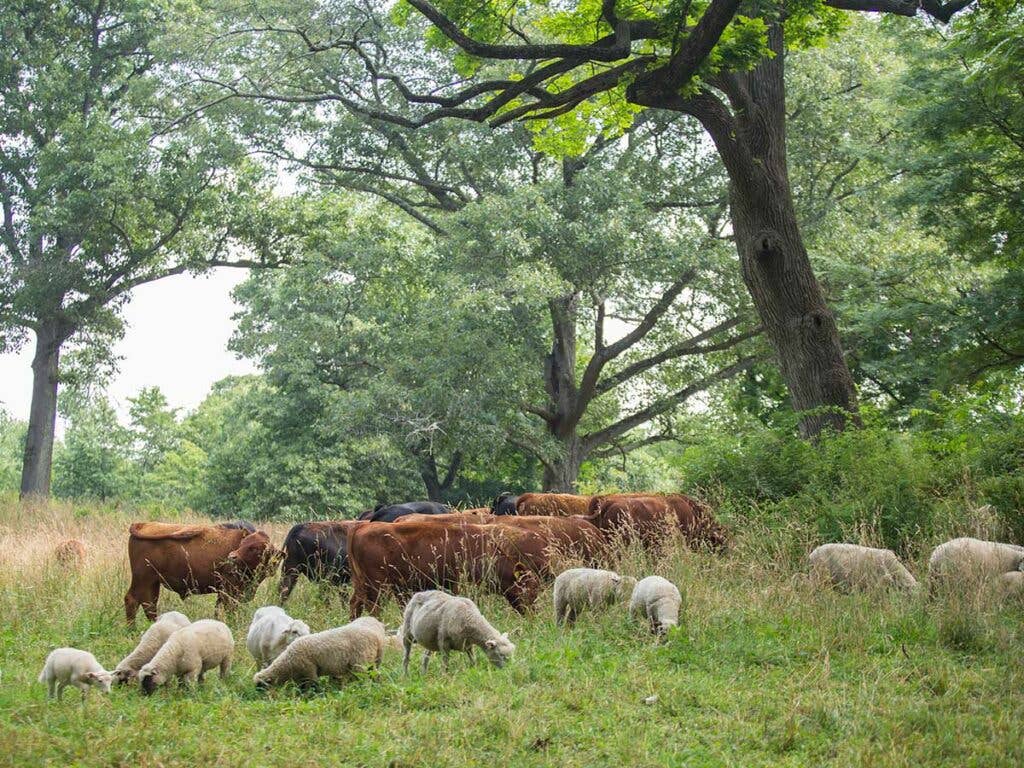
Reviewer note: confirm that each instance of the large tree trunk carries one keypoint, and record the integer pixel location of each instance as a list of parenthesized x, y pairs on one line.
[(751, 140), (561, 475), (38, 458), (436, 487)]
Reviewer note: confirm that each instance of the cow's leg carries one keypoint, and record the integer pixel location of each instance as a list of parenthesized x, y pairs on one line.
[(141, 593), (288, 579)]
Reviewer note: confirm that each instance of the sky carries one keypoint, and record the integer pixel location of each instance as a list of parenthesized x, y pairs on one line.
[(177, 336)]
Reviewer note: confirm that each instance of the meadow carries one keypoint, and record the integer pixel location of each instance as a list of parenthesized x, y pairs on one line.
[(766, 669)]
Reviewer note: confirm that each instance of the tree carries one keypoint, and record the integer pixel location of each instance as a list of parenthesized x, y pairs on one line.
[(721, 63), (94, 462), (104, 185)]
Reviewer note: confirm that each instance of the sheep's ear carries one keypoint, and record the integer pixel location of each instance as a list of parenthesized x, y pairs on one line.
[(490, 643), (616, 579), (90, 676)]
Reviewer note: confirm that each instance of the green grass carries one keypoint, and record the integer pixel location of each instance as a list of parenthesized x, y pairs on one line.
[(765, 670)]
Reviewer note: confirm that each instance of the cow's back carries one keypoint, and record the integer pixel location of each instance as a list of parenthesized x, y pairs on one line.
[(552, 504), (184, 558)]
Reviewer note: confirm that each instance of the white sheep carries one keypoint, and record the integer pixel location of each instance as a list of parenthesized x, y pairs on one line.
[(152, 640), (70, 666), (337, 653), (442, 622), (579, 588), (657, 600), (973, 558), (189, 653), (270, 632), (851, 566)]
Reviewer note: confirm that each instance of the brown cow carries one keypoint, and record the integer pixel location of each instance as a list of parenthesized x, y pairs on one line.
[(552, 504), (572, 537), (195, 560), (406, 557), (651, 517)]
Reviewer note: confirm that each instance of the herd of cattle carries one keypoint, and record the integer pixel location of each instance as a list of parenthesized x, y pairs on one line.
[(511, 548), (419, 550)]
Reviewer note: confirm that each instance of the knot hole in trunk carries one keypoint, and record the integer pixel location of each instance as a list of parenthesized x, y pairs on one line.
[(766, 245)]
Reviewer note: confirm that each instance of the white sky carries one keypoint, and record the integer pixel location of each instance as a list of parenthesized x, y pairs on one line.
[(177, 335)]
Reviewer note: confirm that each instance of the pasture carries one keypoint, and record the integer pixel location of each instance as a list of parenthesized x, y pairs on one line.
[(764, 670)]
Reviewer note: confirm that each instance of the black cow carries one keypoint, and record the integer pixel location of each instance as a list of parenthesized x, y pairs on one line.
[(392, 512), (317, 551), (504, 504)]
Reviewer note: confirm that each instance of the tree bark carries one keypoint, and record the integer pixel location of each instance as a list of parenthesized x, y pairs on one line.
[(38, 458), (436, 487), (561, 473), (751, 140)]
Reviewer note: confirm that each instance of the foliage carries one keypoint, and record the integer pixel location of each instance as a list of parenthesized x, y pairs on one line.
[(94, 461), (12, 444)]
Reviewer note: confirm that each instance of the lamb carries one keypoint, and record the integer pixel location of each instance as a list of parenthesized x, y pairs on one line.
[(70, 666), (1012, 584), (441, 622), (152, 641), (188, 653), (851, 566), (967, 557), (70, 552), (270, 632), (579, 588), (657, 600), (337, 653)]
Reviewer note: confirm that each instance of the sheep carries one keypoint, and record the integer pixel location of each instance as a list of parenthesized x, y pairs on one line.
[(188, 653), (578, 588), (152, 641), (271, 631), (71, 666), (337, 653), (851, 566), (1012, 584), (973, 558), (657, 600), (442, 622)]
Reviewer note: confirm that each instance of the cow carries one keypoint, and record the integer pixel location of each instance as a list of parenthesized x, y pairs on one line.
[(650, 517), (504, 504), (571, 537), (391, 512), (410, 556), (226, 560), (316, 550), (552, 504)]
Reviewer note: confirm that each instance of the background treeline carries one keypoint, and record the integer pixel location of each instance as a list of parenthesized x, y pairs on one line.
[(454, 311)]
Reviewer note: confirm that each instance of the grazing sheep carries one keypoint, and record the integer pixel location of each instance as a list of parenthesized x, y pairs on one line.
[(851, 566), (579, 588), (442, 622), (188, 653), (70, 666), (70, 552), (337, 653), (151, 642), (973, 558), (657, 600), (271, 631)]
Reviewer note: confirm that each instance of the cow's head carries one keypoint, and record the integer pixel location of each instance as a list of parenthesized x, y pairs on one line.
[(255, 553), (504, 504)]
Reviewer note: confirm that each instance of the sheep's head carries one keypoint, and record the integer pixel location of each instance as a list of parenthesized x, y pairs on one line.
[(499, 650), (150, 679), (624, 586), (124, 676), (296, 630), (101, 679), (261, 679)]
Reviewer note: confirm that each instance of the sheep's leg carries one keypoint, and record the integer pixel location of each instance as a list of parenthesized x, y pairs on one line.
[(444, 660), (51, 688), (426, 661), (192, 676), (469, 652), (60, 690), (405, 657), (225, 667)]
